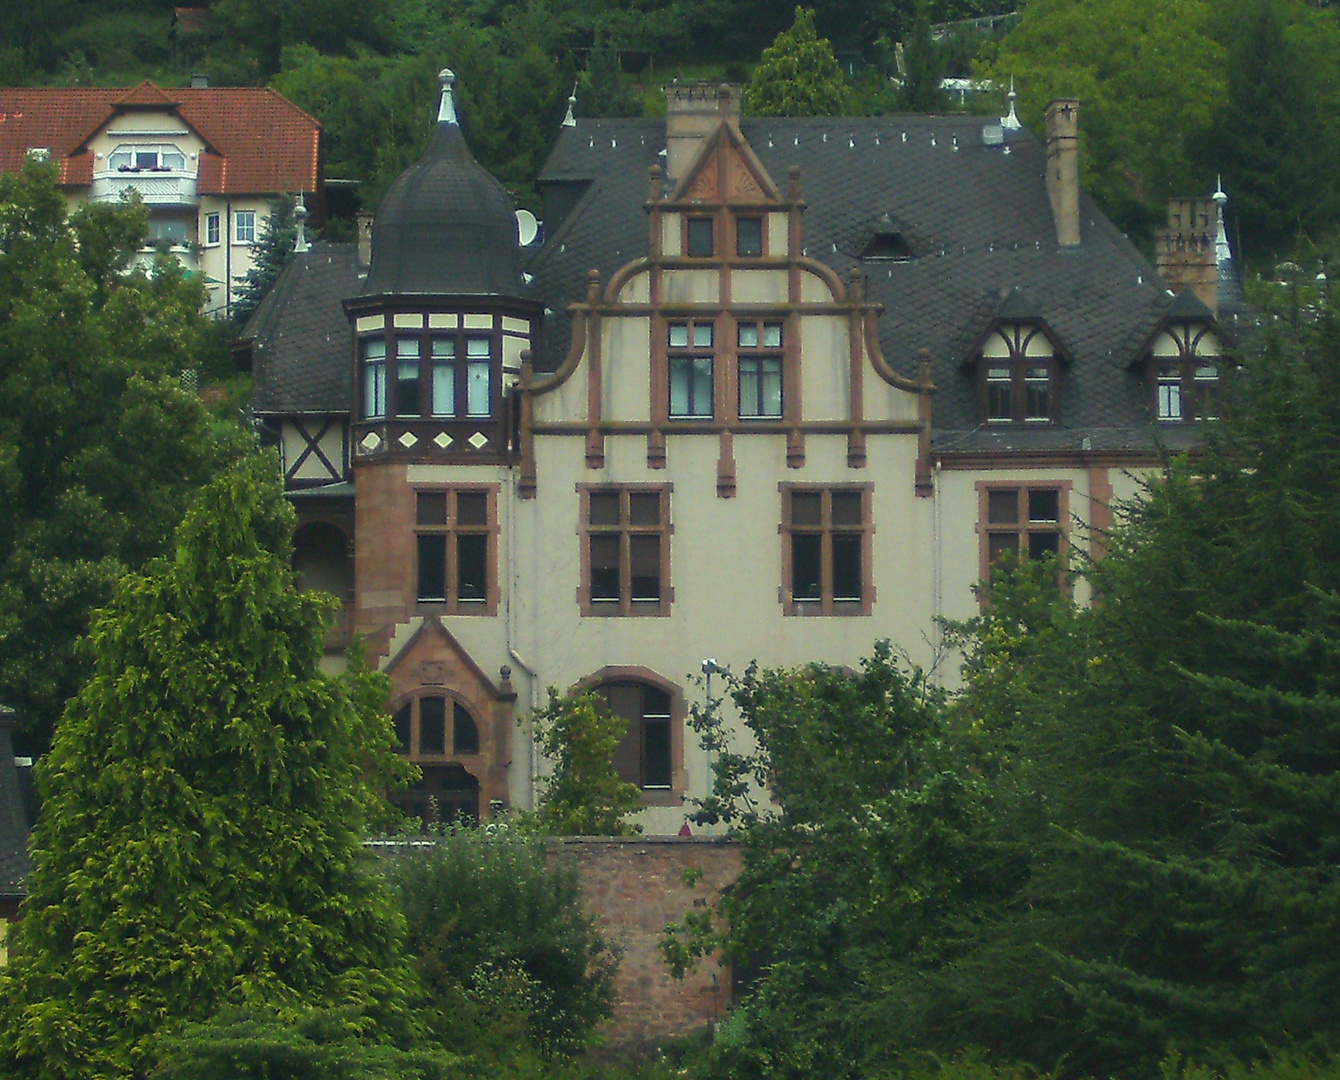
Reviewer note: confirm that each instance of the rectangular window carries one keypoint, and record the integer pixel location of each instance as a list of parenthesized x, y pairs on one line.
[(690, 362), (1021, 522), (1037, 393), (407, 376), (627, 550), (211, 229), (374, 378), (444, 376), (760, 367), (456, 542), (1170, 392), (999, 391), (700, 245), (1206, 385), (479, 364), (826, 550), (749, 237), (244, 226)]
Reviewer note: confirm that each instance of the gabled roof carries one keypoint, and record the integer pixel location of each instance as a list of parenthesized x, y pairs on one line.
[(979, 219), (260, 141)]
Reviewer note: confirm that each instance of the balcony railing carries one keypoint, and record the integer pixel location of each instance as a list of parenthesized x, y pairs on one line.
[(155, 188)]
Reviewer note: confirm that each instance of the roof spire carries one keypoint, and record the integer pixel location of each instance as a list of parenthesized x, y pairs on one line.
[(446, 109), (1010, 122), (300, 218), (1222, 254), (571, 120)]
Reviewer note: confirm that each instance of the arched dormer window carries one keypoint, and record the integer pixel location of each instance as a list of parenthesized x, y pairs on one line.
[(1017, 373), (1185, 366)]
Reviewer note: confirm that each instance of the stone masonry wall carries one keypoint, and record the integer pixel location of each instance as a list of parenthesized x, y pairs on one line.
[(635, 886)]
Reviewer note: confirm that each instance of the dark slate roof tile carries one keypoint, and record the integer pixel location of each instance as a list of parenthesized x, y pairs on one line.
[(301, 341)]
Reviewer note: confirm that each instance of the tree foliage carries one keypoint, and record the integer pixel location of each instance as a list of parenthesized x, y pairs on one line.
[(583, 795), (271, 253), (203, 804), (507, 957), (798, 75), (99, 445)]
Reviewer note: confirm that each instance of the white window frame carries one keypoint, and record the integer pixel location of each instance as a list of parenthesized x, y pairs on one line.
[(249, 216), (213, 230)]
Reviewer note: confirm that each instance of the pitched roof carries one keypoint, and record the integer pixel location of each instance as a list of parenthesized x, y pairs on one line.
[(302, 346), (260, 142), (977, 219)]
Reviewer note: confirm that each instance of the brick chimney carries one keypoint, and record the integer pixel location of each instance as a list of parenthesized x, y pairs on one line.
[(1185, 252), (692, 111), (1063, 168)]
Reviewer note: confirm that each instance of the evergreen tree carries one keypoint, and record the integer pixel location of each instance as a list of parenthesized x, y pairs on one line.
[(601, 90), (203, 802), (925, 68), (798, 75), (1272, 139), (269, 255)]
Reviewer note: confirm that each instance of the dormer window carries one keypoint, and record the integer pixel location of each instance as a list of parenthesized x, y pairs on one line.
[(1185, 364), (887, 245), (134, 159), (1017, 375)]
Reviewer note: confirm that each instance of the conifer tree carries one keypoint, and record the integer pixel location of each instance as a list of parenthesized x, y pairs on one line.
[(798, 75), (199, 844)]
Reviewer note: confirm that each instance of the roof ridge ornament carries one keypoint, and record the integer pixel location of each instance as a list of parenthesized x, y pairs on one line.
[(1010, 121), (446, 109), (570, 120), (300, 243)]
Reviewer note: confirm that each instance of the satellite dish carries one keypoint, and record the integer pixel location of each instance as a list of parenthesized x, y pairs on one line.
[(527, 226)]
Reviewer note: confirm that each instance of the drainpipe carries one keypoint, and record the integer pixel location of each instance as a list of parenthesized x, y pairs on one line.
[(228, 259)]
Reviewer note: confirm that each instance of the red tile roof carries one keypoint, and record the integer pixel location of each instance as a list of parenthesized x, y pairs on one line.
[(259, 141)]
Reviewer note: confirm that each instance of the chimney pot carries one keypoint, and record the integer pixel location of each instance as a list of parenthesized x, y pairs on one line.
[(364, 221)]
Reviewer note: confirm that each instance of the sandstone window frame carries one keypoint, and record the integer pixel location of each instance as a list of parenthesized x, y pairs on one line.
[(624, 538), (820, 538), (456, 547)]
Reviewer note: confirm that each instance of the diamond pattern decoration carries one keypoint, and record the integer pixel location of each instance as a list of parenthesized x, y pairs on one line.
[(407, 440), (479, 440), (443, 440), (371, 441)]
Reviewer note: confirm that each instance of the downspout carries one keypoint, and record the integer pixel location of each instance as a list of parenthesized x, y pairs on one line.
[(228, 259)]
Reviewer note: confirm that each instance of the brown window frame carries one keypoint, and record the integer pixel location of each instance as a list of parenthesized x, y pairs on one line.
[(1025, 526), (689, 221), (413, 749), (390, 364), (1018, 363), (691, 353), (451, 529), (646, 677), (625, 530), (827, 604), (762, 220), (761, 353), (1184, 369)]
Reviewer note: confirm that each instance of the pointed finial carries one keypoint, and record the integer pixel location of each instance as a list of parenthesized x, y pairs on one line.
[(446, 109), (1219, 197), (300, 217), (1010, 122), (571, 119)]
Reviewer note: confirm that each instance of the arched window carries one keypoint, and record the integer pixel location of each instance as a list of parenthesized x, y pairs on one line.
[(1185, 361), (645, 755), (1017, 375), (423, 732)]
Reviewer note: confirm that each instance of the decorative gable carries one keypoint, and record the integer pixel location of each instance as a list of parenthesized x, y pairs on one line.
[(727, 171)]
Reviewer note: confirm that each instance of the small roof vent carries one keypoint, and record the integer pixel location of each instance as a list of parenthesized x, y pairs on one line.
[(993, 135)]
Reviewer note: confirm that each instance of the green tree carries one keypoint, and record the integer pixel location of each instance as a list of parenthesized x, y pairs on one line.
[(99, 445), (601, 91), (509, 961), (1274, 136), (583, 796), (204, 799), (925, 69), (798, 75), (1148, 77)]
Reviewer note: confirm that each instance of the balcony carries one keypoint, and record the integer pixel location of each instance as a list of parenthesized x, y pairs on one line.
[(155, 188)]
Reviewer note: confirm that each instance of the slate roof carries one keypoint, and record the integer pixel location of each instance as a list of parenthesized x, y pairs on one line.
[(446, 227), (980, 226), (260, 142), (302, 345)]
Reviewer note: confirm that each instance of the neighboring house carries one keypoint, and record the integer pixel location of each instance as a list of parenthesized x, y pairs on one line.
[(768, 390), (14, 816), (209, 162)]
